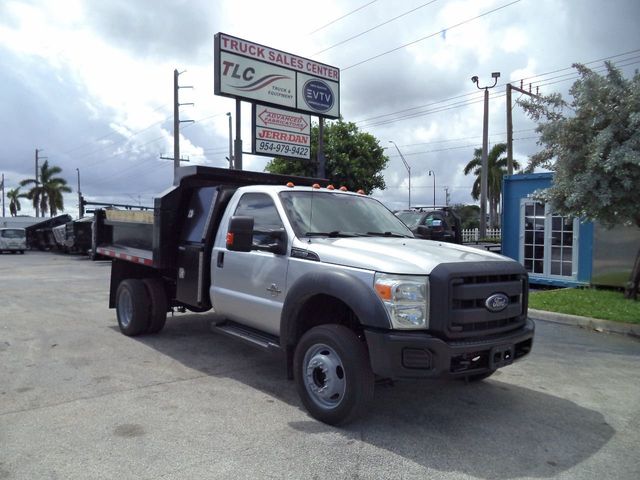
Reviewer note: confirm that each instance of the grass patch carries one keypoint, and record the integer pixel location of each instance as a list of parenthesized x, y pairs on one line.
[(587, 302)]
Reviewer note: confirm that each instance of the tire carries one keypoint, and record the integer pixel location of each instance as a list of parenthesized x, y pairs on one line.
[(332, 374), (158, 305), (132, 307), (21, 252)]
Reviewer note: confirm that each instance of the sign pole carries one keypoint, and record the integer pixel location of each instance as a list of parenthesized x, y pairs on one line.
[(237, 155), (322, 168)]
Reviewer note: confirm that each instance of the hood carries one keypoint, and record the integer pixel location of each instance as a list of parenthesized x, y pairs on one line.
[(409, 256)]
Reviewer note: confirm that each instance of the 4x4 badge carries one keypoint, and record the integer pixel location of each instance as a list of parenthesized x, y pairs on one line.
[(497, 302)]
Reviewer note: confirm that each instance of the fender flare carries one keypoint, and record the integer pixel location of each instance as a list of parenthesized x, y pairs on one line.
[(356, 294)]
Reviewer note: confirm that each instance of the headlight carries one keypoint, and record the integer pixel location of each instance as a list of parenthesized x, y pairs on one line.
[(406, 299)]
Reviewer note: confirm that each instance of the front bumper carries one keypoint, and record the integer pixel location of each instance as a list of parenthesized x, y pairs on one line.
[(398, 354)]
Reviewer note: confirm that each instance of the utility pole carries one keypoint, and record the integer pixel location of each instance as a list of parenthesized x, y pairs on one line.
[(176, 123), (485, 150), (80, 202), (2, 185), (446, 196), (510, 122)]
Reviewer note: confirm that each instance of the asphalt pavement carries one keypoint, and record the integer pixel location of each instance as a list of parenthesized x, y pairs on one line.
[(78, 400)]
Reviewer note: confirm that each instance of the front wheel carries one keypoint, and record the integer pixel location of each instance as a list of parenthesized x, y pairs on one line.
[(332, 373), (132, 307)]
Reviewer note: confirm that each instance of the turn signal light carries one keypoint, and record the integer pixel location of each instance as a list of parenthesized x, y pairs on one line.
[(229, 239)]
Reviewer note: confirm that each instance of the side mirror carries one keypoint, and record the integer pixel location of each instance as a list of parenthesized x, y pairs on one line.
[(240, 234), (274, 241)]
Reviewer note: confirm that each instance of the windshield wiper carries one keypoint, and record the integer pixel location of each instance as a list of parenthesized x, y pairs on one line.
[(332, 234), (386, 234)]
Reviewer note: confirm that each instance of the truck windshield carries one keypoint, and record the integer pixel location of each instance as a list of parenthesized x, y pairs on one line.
[(12, 233), (410, 219), (335, 214)]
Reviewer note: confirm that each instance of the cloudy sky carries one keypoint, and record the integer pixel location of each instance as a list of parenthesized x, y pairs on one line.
[(90, 82)]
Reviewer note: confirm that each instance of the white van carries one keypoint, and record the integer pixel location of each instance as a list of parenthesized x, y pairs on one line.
[(13, 240)]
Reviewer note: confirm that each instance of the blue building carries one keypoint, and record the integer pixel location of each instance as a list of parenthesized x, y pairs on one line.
[(557, 250)]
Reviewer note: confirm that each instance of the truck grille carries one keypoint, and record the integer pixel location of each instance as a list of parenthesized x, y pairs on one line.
[(461, 311), (469, 314)]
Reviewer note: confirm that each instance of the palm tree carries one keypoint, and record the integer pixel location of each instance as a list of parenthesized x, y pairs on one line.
[(14, 197), (47, 192), (497, 168)]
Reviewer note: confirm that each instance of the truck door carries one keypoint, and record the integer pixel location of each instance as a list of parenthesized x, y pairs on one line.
[(250, 287)]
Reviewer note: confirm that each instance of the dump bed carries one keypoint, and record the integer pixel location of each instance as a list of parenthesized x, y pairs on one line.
[(126, 235)]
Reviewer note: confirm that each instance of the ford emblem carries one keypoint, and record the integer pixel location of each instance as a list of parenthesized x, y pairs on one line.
[(497, 302)]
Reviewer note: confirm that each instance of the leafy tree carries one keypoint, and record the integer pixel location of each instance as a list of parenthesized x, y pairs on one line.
[(594, 150), (469, 216), (497, 168), (14, 197), (47, 191), (354, 159)]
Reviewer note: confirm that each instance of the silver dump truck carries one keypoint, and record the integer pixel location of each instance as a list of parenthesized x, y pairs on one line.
[(329, 279)]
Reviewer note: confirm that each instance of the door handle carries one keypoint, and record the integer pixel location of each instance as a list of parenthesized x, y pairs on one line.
[(220, 261)]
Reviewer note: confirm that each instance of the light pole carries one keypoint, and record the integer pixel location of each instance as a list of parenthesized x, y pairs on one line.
[(230, 142), (485, 147), (407, 166), (431, 172)]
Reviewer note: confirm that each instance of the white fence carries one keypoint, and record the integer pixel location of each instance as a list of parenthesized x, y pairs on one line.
[(471, 234)]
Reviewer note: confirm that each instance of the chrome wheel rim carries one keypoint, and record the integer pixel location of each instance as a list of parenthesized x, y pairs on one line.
[(125, 308)]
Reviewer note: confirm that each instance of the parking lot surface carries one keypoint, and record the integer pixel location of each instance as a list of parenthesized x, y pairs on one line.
[(79, 400)]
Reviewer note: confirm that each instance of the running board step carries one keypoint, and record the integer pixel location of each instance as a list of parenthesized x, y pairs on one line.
[(248, 335)]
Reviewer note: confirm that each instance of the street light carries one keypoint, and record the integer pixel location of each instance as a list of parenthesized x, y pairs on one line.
[(485, 147), (230, 139), (407, 166), (431, 172)]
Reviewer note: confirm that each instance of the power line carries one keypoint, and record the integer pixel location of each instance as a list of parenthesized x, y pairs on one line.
[(375, 27), (455, 148), (343, 16), (112, 132), (430, 35), (570, 76)]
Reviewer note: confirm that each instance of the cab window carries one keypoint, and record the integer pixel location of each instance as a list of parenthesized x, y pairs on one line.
[(260, 206)]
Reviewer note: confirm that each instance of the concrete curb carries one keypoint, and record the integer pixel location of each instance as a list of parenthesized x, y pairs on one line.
[(596, 324)]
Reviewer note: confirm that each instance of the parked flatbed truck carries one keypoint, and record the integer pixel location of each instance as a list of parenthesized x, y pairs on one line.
[(329, 278)]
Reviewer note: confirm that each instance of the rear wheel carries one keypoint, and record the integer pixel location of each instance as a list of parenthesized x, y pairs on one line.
[(332, 373), (132, 307), (158, 304)]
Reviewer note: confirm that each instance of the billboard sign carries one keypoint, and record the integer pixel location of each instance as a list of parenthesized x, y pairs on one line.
[(253, 72), (281, 133)]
